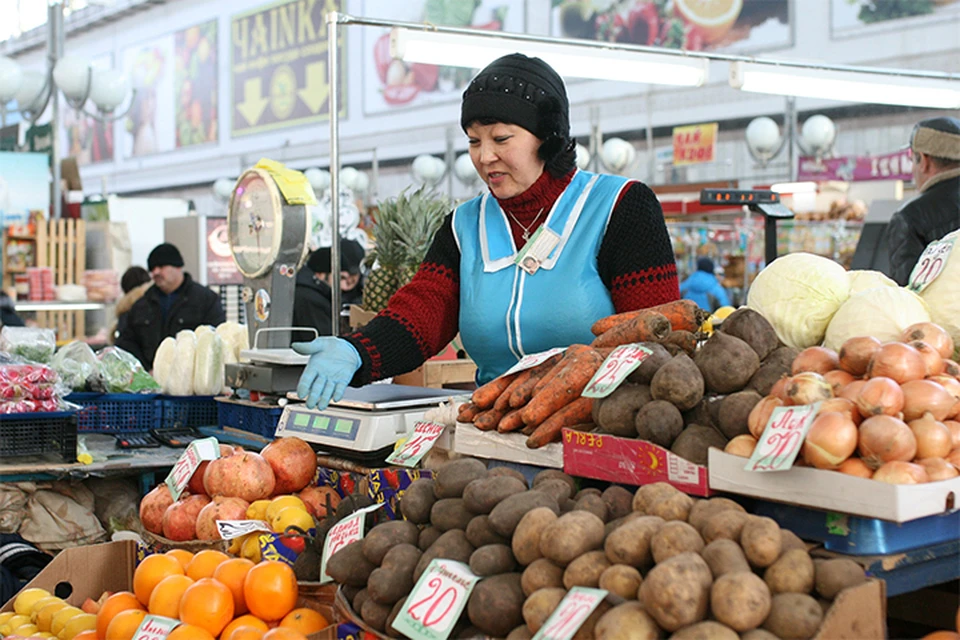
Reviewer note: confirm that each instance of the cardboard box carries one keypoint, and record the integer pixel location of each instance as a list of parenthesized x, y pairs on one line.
[(834, 491), (858, 613), (438, 373), (511, 447), (630, 461)]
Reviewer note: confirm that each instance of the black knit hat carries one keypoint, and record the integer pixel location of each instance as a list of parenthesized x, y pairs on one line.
[(164, 255), (519, 90), (351, 255)]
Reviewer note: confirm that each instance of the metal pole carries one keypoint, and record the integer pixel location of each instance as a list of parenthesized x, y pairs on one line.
[(651, 153), (449, 159), (374, 178), (333, 62), (791, 124), (55, 40), (595, 138)]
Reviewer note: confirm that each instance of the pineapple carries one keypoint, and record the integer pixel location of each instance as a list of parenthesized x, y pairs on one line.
[(403, 231)]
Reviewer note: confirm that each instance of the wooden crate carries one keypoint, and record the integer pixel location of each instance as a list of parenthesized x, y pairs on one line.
[(440, 373), (62, 246)]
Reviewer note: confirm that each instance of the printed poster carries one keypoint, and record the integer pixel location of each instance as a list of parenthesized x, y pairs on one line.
[(719, 25), (278, 66), (149, 127), (24, 186), (391, 85), (195, 83), (854, 17), (84, 137)]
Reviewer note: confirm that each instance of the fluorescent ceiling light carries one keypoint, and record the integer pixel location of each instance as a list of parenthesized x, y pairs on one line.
[(569, 60), (848, 86)]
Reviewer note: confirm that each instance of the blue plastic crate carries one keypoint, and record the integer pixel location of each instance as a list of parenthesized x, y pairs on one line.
[(859, 536), (188, 411), (88, 419), (261, 421), (116, 412), (34, 434)]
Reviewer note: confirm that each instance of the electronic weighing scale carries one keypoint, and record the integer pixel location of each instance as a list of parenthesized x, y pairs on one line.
[(367, 420)]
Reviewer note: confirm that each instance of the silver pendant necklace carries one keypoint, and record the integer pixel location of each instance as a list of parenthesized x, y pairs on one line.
[(526, 229)]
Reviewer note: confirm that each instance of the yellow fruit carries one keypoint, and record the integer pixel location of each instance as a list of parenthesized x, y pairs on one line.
[(40, 604), (251, 548), (26, 630), (291, 516), (6, 616), (25, 600), (282, 502), (713, 17), (62, 617), (76, 624), (44, 616), (258, 510), (43, 634), (14, 621)]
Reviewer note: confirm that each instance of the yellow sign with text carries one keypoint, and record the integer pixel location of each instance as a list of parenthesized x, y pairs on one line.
[(695, 143)]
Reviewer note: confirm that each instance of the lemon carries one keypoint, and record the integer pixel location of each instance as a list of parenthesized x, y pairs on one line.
[(25, 600), (282, 502), (235, 546), (258, 510), (44, 616), (62, 617), (25, 630), (40, 604), (6, 616), (251, 548), (43, 634), (76, 624), (291, 516), (14, 621)]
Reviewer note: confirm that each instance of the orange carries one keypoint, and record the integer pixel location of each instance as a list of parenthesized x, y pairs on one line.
[(231, 573), (304, 620), (90, 634), (245, 632), (165, 599), (189, 632), (150, 572), (124, 625), (207, 604), (204, 563), (182, 555), (249, 621), (284, 633), (120, 601), (270, 590)]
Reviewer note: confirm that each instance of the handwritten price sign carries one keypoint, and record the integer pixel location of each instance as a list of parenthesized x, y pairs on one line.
[(155, 628), (230, 529), (424, 436), (570, 614), (931, 264), (196, 452), (348, 530), (782, 438), (435, 604), (531, 360), (621, 362)]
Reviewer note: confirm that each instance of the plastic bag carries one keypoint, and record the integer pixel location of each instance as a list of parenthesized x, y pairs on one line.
[(163, 362), (208, 369), (180, 382), (116, 503), (235, 339), (30, 343), (75, 362), (60, 516), (123, 373), (27, 388)]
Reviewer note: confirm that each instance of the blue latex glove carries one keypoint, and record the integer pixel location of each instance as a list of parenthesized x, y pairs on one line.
[(333, 361)]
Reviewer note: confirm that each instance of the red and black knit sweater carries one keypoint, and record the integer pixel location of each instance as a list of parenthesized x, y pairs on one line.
[(635, 262)]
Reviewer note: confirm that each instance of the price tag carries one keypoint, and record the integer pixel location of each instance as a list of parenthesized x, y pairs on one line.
[(155, 628), (196, 452), (621, 362), (230, 529), (348, 530), (531, 360), (931, 264), (435, 604), (424, 436), (570, 614), (782, 438)]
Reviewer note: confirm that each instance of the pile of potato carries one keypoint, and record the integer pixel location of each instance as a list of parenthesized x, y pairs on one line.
[(689, 404)]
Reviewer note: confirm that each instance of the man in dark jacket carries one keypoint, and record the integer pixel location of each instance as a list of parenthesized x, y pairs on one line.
[(936, 211), (174, 303), (311, 302)]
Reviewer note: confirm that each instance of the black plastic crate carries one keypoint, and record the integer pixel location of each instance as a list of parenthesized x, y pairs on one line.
[(35, 434)]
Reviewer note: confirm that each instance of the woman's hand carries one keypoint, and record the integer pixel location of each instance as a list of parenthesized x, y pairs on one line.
[(333, 361)]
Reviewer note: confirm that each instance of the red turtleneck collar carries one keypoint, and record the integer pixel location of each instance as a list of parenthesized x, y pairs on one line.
[(539, 198)]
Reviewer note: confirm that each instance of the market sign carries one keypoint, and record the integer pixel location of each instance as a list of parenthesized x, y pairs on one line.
[(889, 166), (278, 66), (695, 144)]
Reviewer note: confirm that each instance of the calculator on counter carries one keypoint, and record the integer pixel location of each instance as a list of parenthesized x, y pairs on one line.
[(176, 437), (136, 441)]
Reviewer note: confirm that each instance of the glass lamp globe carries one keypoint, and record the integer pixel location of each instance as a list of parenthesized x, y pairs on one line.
[(108, 89), (31, 90), (223, 188), (319, 179), (11, 76), (71, 74), (464, 170), (763, 136), (617, 154), (818, 133), (583, 157), (361, 182), (428, 169), (348, 176)]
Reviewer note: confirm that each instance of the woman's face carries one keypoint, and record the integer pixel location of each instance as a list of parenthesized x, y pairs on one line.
[(505, 156)]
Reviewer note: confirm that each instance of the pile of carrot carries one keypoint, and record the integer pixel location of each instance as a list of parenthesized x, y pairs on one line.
[(540, 402)]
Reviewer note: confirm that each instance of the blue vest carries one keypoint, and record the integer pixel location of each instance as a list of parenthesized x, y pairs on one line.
[(505, 313)]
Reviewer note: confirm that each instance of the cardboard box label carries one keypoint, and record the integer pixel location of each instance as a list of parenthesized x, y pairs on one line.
[(570, 614), (155, 628), (424, 436), (531, 360), (436, 601), (621, 362), (196, 452), (348, 530), (782, 438)]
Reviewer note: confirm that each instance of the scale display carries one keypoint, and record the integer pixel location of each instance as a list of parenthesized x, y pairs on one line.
[(321, 424)]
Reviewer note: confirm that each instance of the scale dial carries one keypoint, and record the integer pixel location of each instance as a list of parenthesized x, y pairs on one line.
[(255, 223)]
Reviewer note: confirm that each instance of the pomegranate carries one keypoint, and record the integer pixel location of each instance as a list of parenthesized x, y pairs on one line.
[(180, 518), (293, 462), (222, 508), (316, 500), (196, 480), (152, 507), (243, 475)]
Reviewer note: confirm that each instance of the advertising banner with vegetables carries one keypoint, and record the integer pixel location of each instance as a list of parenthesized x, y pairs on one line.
[(392, 84), (149, 126), (720, 25), (854, 17), (195, 83)]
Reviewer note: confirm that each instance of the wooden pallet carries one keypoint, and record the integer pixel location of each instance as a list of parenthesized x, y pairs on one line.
[(62, 245)]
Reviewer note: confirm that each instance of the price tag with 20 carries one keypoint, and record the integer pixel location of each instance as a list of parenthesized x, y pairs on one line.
[(930, 264), (621, 362), (424, 436), (435, 604), (782, 438), (570, 614), (348, 530), (196, 452)]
